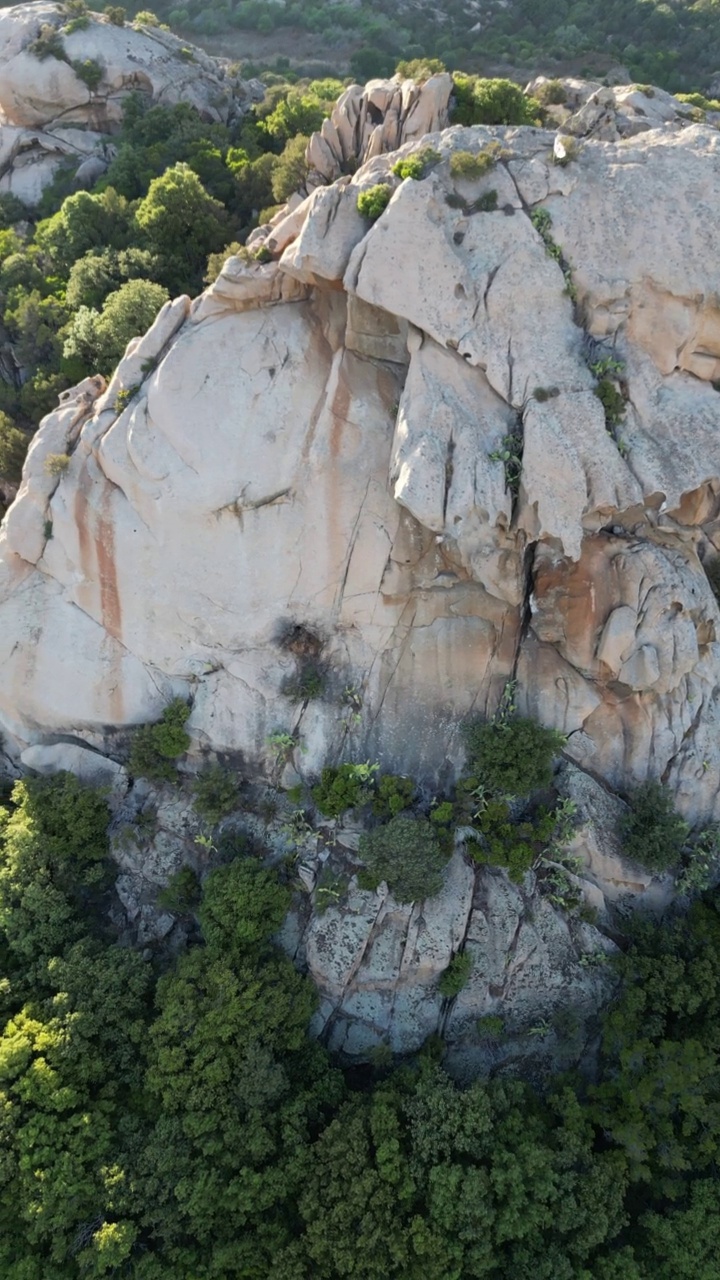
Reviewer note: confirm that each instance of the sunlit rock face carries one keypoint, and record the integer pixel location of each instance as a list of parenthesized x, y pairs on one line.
[(388, 437)]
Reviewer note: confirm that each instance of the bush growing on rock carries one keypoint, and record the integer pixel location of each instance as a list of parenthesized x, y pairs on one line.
[(373, 201), (13, 447), (343, 787), (48, 44), (512, 757), (215, 792), (156, 747), (513, 845), (406, 853), (551, 93), (653, 834), (420, 69), (475, 164), (242, 905), (417, 165), (480, 101), (89, 71), (456, 976), (181, 894)]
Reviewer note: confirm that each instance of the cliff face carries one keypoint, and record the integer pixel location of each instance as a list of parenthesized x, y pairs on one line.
[(388, 436)]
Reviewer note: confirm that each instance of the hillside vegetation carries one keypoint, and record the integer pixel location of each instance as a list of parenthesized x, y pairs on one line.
[(170, 1118), (676, 45)]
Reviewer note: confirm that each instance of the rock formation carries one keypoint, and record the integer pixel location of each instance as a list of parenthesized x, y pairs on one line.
[(320, 442), (50, 115), (475, 441)]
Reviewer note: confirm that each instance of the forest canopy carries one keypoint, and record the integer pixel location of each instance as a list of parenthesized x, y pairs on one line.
[(167, 1115)]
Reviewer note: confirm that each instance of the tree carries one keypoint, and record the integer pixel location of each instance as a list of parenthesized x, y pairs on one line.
[(291, 170), (181, 224), (479, 101), (405, 852), (653, 834), (99, 338), (86, 221), (13, 448), (512, 756)]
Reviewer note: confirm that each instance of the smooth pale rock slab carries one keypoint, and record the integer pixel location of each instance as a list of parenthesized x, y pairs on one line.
[(330, 230), (89, 766)]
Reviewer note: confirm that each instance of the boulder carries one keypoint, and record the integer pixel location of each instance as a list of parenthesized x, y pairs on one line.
[(89, 766)]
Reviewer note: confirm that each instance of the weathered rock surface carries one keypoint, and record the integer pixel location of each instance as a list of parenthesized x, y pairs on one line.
[(396, 445), (48, 114), (536, 972)]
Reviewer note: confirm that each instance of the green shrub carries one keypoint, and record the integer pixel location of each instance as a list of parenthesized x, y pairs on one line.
[(374, 200), (456, 976), (512, 757), (510, 453), (242, 905), (552, 93), (417, 165), (343, 787), (185, 54), (13, 448), (491, 1027), (612, 402), (80, 23), (48, 44), (470, 165), (215, 792), (653, 834), (406, 853), (12, 210), (56, 464), (481, 101), (181, 894), (420, 69), (393, 793), (155, 747), (115, 14), (89, 71), (513, 845), (146, 18)]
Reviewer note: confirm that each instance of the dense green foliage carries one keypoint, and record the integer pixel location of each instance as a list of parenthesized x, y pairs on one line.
[(156, 747), (374, 200), (515, 845), (653, 834), (512, 756), (171, 1118), (676, 45), (216, 793), (456, 975), (407, 854)]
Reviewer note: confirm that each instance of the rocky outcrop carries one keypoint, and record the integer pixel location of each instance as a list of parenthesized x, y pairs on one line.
[(537, 982), (389, 437), (50, 115), (375, 119)]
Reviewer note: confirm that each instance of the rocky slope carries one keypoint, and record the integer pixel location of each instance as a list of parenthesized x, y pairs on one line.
[(50, 115)]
